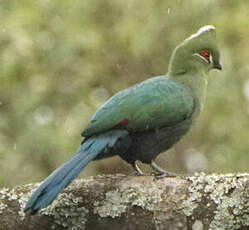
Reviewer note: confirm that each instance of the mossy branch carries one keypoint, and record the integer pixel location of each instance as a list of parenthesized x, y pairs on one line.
[(136, 202)]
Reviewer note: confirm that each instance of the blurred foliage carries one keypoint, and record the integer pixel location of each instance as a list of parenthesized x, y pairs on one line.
[(60, 60)]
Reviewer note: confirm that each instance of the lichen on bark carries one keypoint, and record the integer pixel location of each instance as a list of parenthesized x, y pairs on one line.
[(134, 202)]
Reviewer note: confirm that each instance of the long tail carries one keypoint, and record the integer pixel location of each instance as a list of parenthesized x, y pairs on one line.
[(67, 172)]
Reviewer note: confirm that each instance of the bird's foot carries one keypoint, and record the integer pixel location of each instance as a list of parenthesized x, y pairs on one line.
[(160, 173), (167, 174)]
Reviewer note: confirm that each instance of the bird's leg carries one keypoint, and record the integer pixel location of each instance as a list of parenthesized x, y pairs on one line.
[(160, 173), (136, 168)]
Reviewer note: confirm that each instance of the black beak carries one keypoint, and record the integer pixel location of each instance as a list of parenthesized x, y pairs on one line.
[(217, 66)]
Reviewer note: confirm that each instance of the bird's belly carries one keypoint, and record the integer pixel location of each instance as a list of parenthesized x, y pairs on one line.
[(146, 146)]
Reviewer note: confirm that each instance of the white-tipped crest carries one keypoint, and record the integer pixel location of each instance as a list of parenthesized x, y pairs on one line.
[(201, 31)]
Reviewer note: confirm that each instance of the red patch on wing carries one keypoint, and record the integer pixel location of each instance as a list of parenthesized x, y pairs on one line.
[(122, 123)]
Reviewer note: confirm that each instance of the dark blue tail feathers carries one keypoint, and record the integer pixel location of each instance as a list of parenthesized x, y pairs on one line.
[(67, 172)]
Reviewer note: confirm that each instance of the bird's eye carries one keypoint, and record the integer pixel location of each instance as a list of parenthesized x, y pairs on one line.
[(206, 54)]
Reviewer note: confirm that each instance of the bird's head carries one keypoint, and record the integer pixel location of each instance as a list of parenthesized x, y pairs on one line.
[(199, 52)]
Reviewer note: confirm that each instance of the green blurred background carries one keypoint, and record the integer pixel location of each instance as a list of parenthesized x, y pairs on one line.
[(60, 60)]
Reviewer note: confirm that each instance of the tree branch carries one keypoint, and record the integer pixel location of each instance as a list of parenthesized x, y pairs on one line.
[(136, 202)]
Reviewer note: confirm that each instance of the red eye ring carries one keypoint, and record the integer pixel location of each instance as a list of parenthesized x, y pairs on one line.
[(205, 54)]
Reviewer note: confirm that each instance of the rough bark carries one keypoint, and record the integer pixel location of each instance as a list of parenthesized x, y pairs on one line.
[(136, 202)]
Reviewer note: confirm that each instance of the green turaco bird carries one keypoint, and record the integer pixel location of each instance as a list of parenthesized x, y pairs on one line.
[(145, 120)]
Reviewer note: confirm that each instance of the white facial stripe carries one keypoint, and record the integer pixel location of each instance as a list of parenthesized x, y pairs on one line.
[(198, 55), (211, 58)]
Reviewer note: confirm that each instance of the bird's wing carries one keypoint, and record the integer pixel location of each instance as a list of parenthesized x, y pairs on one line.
[(155, 103)]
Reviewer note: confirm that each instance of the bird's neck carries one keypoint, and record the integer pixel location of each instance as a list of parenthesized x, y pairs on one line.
[(197, 82)]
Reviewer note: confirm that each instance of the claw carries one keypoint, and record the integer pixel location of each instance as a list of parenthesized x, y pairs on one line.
[(166, 174), (160, 173)]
